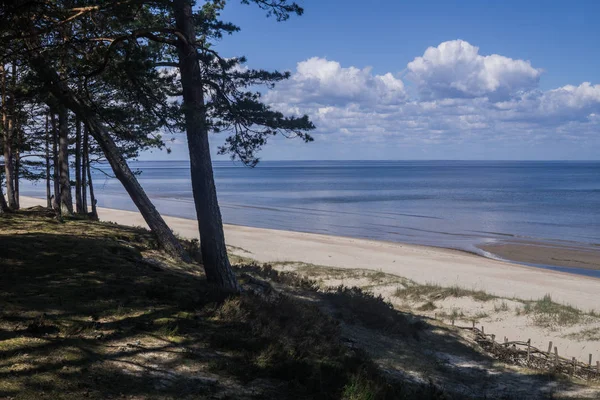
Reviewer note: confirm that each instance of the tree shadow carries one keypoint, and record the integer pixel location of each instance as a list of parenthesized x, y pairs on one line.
[(85, 314)]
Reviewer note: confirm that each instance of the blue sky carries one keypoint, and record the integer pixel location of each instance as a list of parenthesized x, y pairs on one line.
[(429, 79)]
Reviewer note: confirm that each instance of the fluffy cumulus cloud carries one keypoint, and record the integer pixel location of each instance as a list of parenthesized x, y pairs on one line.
[(322, 81), (450, 94), (456, 69)]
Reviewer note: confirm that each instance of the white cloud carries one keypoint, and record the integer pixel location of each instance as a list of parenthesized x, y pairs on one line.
[(322, 81), (461, 96), (456, 69)]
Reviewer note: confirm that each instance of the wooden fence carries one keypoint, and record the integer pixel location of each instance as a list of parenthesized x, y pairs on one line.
[(524, 354)]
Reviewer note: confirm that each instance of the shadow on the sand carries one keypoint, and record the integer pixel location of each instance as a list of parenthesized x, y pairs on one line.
[(84, 316)]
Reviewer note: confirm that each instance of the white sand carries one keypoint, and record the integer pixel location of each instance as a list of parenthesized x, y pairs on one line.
[(420, 263)]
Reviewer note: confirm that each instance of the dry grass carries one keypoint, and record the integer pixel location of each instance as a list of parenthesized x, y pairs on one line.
[(549, 314), (589, 334), (436, 292)]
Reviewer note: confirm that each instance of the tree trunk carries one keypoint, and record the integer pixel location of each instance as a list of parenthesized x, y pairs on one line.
[(7, 107), (83, 172), (19, 135), (55, 173), (16, 135), (3, 206), (91, 184), (66, 201), (17, 175), (78, 199), (48, 190), (212, 238), (100, 133)]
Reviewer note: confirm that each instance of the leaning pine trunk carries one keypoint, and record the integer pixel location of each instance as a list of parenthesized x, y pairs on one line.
[(65, 95), (212, 239), (66, 201)]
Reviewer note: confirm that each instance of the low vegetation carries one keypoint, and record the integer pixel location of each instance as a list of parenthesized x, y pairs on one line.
[(437, 292), (547, 313), (94, 310)]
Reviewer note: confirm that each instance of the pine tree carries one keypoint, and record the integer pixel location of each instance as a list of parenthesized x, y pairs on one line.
[(118, 77)]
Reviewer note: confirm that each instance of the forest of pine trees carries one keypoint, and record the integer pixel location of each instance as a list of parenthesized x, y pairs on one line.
[(88, 81)]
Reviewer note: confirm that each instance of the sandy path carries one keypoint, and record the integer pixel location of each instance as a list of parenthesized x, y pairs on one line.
[(420, 263)]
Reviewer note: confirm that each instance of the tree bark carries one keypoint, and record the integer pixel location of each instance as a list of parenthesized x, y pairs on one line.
[(78, 199), (84, 163), (55, 171), (88, 170), (100, 133), (212, 239), (66, 200), (17, 175), (7, 108), (48, 190), (16, 135), (18, 166), (3, 205)]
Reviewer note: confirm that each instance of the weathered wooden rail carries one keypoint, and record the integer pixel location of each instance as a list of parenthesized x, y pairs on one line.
[(524, 354)]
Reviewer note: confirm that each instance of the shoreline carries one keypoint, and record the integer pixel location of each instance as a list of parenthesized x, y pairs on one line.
[(572, 255), (582, 258), (422, 264)]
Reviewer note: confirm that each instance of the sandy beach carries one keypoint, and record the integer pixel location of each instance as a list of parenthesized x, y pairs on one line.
[(419, 263), (513, 283)]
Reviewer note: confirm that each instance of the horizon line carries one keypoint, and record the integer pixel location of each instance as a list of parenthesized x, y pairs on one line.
[(396, 159)]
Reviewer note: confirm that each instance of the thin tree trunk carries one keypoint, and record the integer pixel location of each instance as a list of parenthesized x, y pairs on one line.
[(85, 160), (78, 199), (212, 239), (16, 135), (7, 108), (55, 173), (65, 95), (48, 190), (18, 168), (66, 201), (91, 184), (3, 205), (17, 175)]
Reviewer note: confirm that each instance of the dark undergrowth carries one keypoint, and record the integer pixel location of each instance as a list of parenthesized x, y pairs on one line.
[(94, 310)]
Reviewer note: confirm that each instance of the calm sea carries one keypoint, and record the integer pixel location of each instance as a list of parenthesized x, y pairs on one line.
[(455, 204)]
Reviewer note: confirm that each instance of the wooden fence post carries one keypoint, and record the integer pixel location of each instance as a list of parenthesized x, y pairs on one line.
[(556, 356), (590, 363), (473, 324), (549, 347), (598, 367), (574, 366), (528, 351), (482, 330)]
